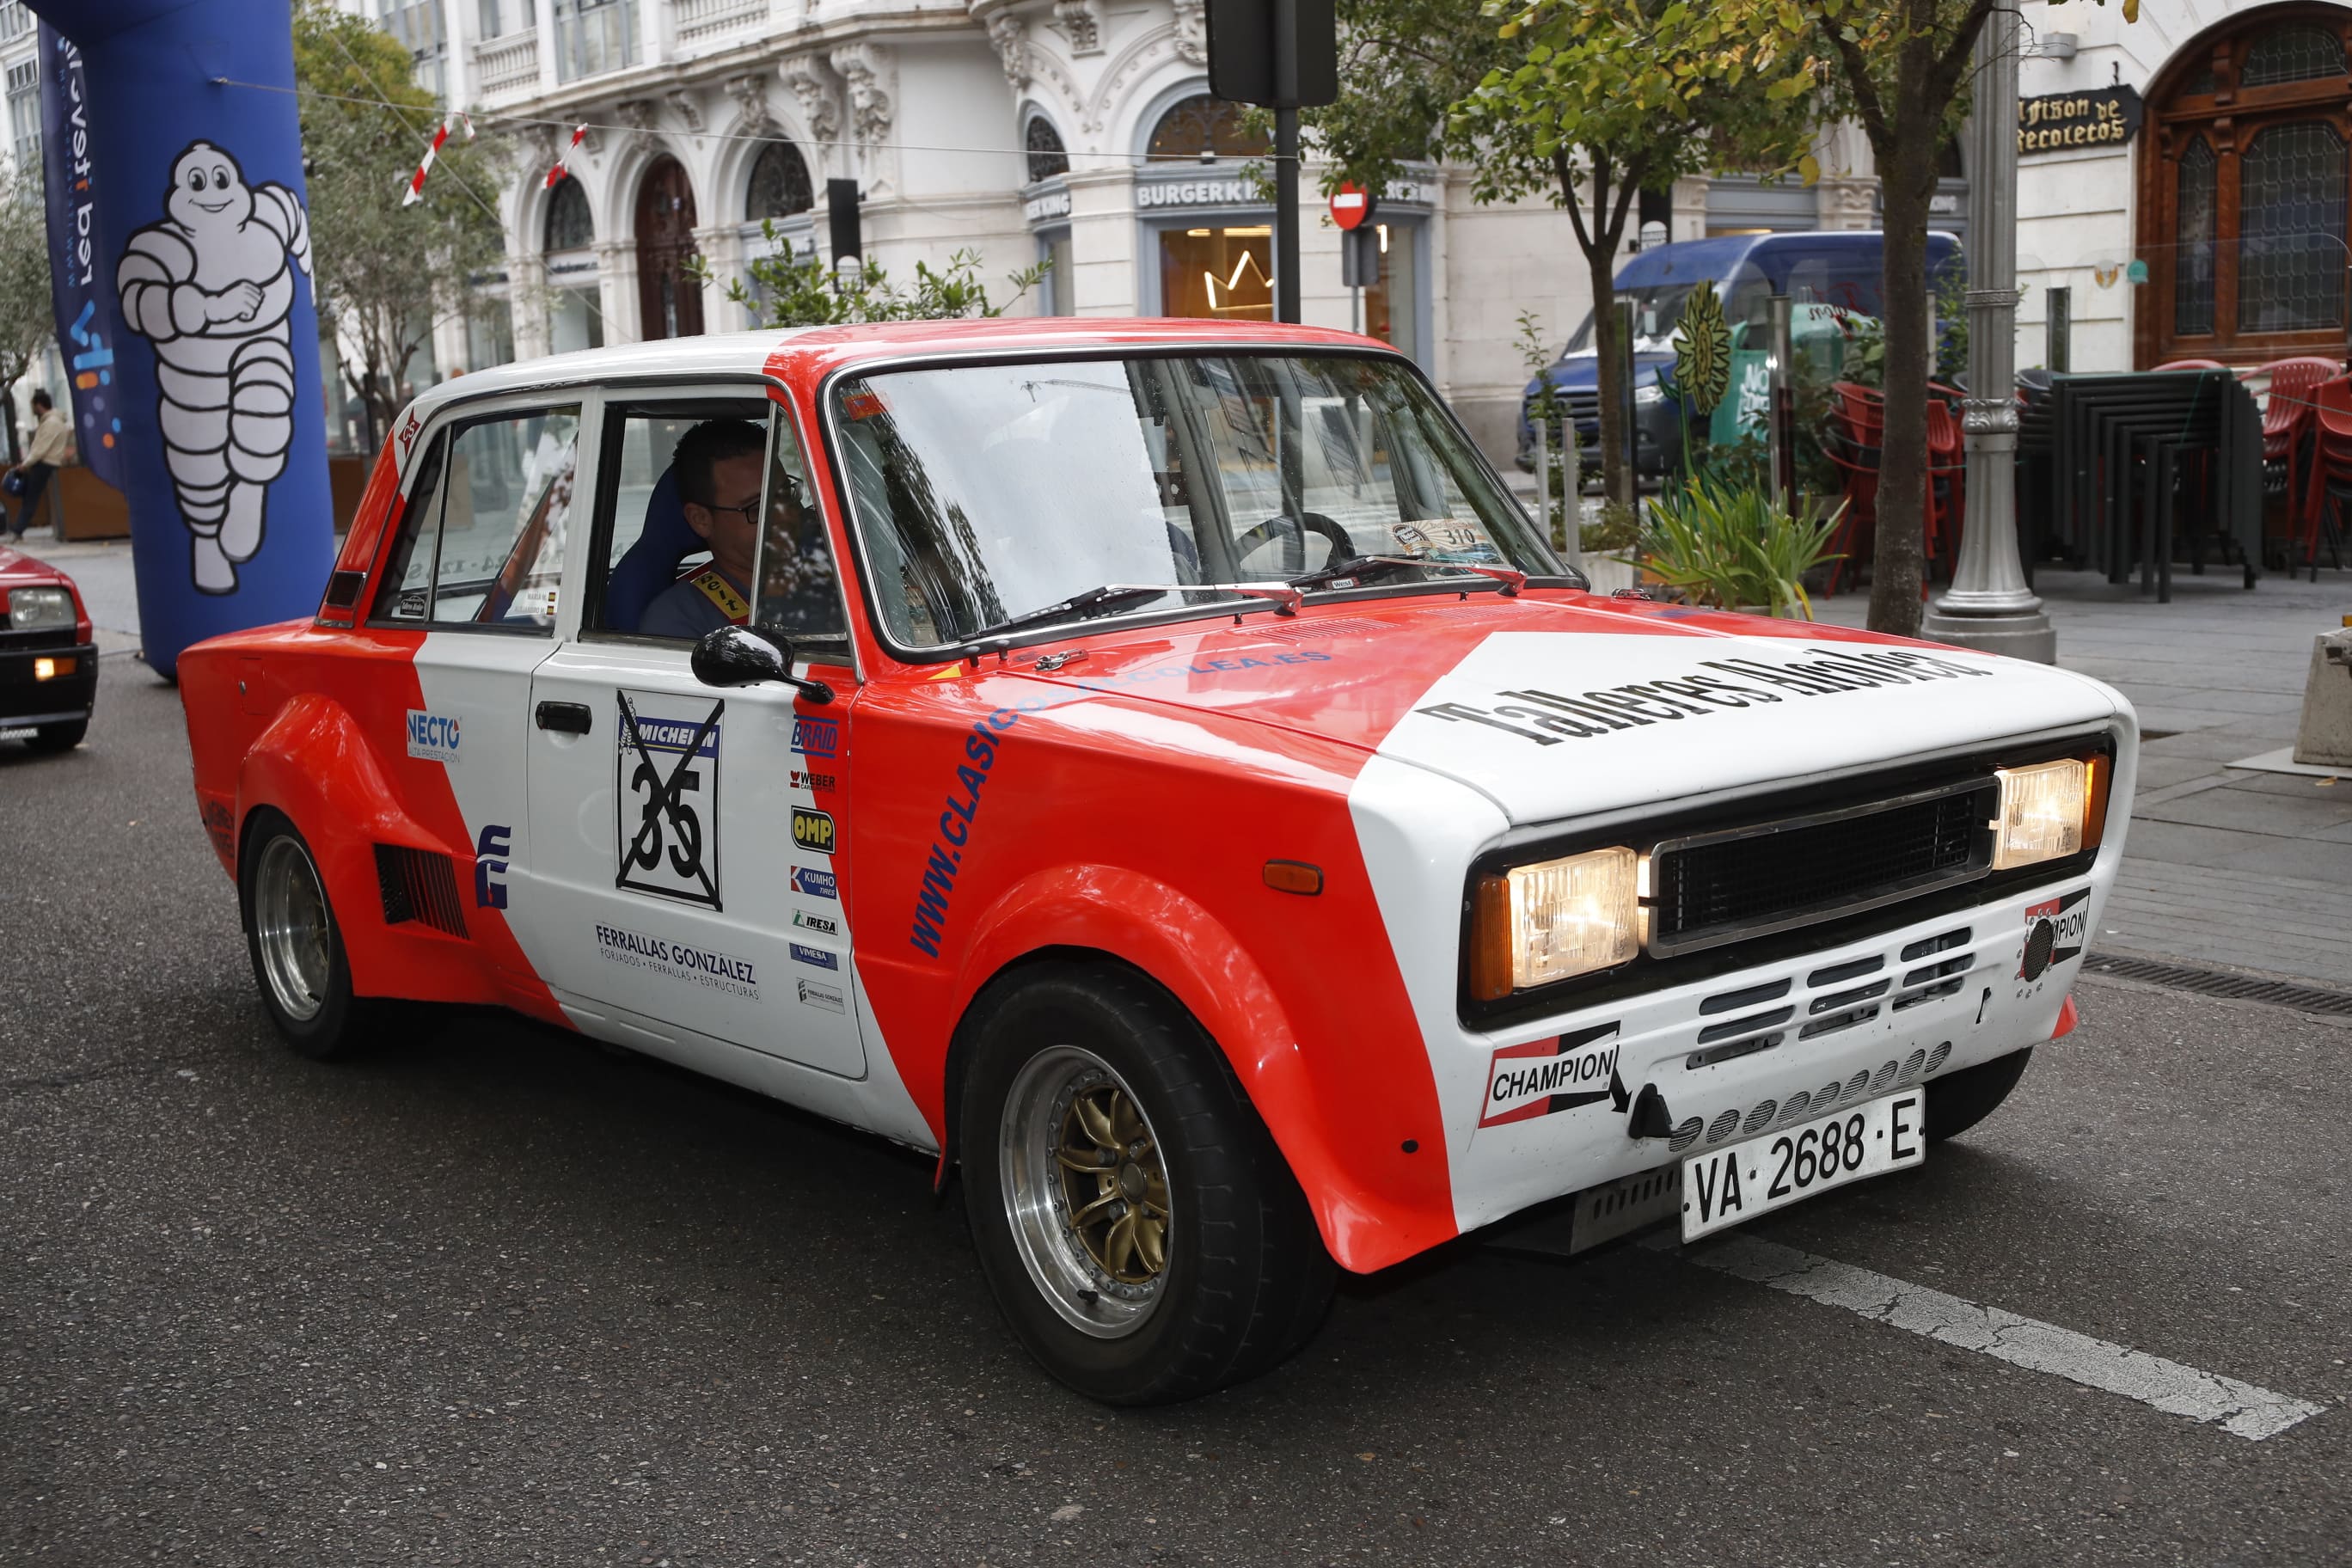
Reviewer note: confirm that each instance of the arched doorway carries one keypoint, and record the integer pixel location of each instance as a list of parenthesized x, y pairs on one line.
[(671, 302), (2245, 185)]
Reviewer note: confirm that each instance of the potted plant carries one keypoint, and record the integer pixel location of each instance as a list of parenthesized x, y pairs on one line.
[(1735, 549)]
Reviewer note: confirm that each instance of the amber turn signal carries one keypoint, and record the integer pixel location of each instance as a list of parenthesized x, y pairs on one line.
[(2101, 773), (1294, 876)]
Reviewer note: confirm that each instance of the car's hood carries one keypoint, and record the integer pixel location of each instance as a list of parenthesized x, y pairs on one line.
[(15, 566), (1581, 372), (1564, 704)]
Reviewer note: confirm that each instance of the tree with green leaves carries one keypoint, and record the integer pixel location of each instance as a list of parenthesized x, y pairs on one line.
[(1589, 101), (1901, 67), (791, 288), (26, 316), (385, 274)]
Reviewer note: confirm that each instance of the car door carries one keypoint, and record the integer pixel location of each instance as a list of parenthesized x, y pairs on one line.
[(476, 566), (683, 837)]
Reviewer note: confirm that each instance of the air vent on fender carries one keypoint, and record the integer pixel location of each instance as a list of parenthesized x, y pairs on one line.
[(419, 885)]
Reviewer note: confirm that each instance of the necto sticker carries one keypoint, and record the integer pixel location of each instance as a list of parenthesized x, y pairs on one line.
[(1542, 1076), (433, 736)]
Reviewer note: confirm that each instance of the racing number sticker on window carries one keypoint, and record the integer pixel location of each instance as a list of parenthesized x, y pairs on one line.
[(666, 787)]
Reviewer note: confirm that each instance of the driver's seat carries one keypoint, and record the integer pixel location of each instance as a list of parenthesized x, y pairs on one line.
[(648, 569)]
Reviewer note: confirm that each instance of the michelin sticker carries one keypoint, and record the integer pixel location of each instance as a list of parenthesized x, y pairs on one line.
[(688, 961), (1542, 1076), (666, 795)]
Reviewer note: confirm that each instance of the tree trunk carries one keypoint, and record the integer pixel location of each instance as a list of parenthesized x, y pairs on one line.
[(1907, 180), (1616, 473)]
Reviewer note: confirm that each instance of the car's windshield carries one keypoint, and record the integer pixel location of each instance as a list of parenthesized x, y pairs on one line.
[(983, 494), (1658, 307)]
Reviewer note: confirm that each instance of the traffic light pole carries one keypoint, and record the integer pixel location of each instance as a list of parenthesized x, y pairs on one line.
[(1286, 160)]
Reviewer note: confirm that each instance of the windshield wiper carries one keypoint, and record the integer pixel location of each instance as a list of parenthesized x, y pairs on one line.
[(1113, 595), (1511, 578)]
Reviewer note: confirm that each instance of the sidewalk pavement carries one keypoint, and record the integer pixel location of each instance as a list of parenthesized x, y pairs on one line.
[(2227, 866)]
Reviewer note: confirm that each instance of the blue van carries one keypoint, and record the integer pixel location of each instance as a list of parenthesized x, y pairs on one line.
[(1830, 268)]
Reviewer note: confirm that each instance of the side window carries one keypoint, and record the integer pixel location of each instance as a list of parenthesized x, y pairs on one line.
[(506, 510), (800, 590), (407, 592), (481, 538)]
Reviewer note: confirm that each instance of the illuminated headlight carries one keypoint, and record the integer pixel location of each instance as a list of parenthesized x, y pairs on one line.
[(1649, 396), (2049, 812), (39, 609), (1554, 920)]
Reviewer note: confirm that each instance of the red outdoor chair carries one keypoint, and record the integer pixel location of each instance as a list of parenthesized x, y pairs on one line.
[(2287, 430), (1861, 409), (2193, 365), (1857, 467), (2331, 469), (1947, 462)]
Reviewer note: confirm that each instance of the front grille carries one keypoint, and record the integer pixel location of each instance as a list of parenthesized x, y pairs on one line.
[(1720, 887)]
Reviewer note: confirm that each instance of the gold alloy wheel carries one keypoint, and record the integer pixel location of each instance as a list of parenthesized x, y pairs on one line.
[(1085, 1191)]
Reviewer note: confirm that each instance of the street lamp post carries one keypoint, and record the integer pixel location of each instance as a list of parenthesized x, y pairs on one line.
[(1989, 606)]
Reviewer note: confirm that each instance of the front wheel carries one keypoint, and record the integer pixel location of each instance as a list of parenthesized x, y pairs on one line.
[(1959, 1102), (1140, 1232)]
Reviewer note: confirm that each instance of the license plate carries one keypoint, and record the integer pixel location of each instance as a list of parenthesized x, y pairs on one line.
[(1729, 1185)]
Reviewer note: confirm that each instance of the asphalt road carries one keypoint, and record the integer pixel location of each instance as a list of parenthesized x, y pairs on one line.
[(498, 1296)]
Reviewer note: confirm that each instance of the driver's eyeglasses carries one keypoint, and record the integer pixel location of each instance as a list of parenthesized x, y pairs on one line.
[(748, 512)]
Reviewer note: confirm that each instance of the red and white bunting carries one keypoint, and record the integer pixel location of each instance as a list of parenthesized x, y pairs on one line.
[(555, 176), (441, 135)]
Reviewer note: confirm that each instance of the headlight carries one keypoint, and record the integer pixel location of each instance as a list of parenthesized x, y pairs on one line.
[(39, 609), (1649, 396), (1535, 924), (2050, 811)]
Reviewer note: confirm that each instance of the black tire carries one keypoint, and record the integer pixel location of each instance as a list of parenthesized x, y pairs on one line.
[(1958, 1102), (1244, 1278), (335, 1024), (50, 738)]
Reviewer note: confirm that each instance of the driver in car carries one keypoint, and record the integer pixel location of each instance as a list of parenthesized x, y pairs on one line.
[(717, 463)]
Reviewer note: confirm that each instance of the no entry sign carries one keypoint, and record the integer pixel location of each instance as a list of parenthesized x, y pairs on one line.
[(1350, 206)]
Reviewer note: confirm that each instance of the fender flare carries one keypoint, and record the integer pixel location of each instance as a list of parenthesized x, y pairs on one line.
[(1129, 918), (313, 764)]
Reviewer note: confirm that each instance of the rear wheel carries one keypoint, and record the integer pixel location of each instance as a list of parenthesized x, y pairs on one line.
[(65, 737), (296, 945), (1139, 1231), (1958, 1102)]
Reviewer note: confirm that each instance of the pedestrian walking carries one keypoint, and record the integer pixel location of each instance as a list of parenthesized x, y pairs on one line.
[(42, 454)]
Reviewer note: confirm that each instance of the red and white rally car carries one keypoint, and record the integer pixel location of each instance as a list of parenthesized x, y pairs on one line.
[(1156, 765), (49, 656)]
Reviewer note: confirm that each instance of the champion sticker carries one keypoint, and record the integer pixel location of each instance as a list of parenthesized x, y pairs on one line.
[(666, 795), (2054, 932), (1541, 1077)]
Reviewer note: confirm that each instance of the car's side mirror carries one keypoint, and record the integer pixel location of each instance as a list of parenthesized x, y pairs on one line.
[(745, 656)]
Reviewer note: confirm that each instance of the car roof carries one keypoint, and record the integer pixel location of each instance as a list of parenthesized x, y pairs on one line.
[(778, 350), (1716, 258)]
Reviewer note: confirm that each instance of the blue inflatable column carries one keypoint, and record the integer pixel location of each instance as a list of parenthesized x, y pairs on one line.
[(187, 180)]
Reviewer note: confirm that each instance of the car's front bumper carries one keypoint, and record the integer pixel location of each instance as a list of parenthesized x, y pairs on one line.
[(28, 697)]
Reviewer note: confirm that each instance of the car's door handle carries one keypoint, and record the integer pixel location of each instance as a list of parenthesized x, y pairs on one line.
[(564, 718)]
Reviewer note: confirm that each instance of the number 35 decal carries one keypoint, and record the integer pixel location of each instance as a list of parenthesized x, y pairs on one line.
[(666, 795)]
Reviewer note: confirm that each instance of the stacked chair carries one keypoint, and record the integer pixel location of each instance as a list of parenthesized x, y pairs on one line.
[(2289, 434), (2331, 470)]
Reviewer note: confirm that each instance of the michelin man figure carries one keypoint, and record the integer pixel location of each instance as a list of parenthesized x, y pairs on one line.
[(210, 286)]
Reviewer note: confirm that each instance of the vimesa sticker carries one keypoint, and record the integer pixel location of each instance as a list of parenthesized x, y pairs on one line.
[(1544, 1076)]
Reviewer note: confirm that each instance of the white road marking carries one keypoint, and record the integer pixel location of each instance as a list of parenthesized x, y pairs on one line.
[(2242, 1409)]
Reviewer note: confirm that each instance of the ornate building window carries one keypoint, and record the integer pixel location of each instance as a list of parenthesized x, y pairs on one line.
[(1202, 128), (569, 225), (2246, 189), (779, 184), (1046, 157)]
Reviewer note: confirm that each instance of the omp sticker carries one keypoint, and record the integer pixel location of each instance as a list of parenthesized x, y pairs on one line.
[(1542, 1076), (815, 882), (433, 736), (828, 997), (811, 830), (2054, 933), (814, 957), (666, 796), (688, 961)]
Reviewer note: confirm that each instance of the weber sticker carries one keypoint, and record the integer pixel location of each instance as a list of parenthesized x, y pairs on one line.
[(433, 736), (813, 995), (666, 796), (674, 960), (1542, 1076)]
